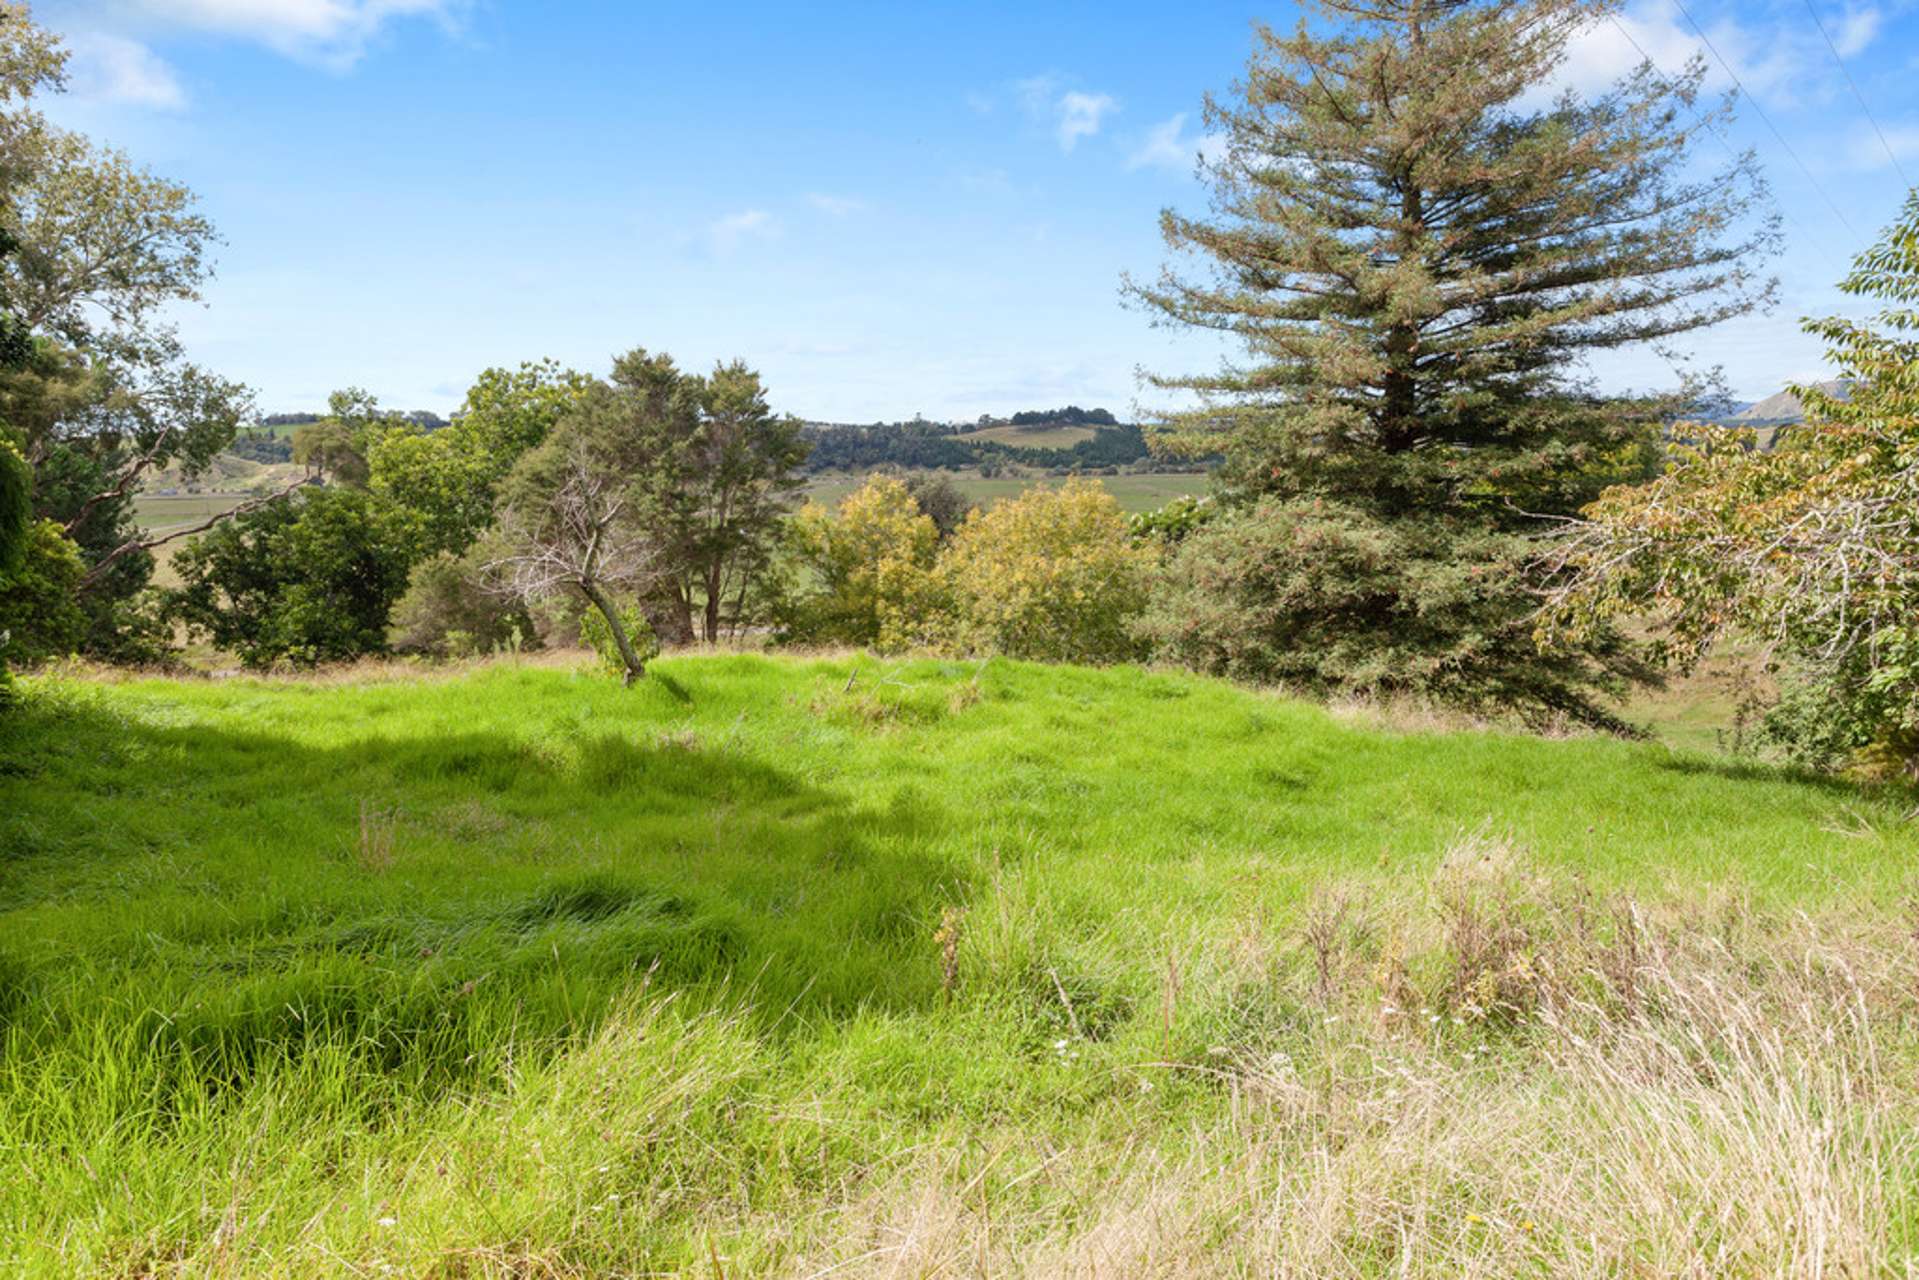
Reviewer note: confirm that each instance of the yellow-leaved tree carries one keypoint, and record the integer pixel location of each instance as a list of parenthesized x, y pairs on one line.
[(867, 568), (1052, 575)]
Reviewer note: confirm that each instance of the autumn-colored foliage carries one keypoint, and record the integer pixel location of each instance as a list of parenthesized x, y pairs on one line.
[(1811, 548)]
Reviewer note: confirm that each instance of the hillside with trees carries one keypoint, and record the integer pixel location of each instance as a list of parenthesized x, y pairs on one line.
[(1057, 439)]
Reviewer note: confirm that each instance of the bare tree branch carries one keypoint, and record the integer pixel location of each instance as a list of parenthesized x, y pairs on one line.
[(94, 574)]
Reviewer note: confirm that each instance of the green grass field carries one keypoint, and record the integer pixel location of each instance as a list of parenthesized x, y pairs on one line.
[(1134, 492), (804, 967)]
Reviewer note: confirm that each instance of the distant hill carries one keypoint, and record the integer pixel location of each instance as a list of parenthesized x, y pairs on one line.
[(283, 425), (1041, 435), (1784, 406), (1066, 438)]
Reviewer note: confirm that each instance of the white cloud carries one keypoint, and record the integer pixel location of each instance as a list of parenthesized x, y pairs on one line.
[(1080, 115), (329, 33), (752, 224), (1777, 65), (837, 206), (1070, 113), (1036, 94), (1856, 32), (1866, 151), (113, 69), (1166, 146)]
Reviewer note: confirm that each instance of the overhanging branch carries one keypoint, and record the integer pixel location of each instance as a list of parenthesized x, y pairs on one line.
[(147, 544)]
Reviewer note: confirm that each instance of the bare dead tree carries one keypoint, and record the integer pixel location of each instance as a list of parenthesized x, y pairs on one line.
[(581, 533)]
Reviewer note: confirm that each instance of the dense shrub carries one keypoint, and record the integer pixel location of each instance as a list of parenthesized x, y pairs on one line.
[(1171, 523), (16, 511), (1052, 575), (1319, 597), (451, 611), (16, 505), (1851, 712), (596, 635), (940, 500), (40, 614)]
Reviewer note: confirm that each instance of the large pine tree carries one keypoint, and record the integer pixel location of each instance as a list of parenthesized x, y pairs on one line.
[(1418, 250)]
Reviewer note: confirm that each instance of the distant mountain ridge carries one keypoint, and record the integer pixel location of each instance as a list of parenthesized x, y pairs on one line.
[(1784, 406)]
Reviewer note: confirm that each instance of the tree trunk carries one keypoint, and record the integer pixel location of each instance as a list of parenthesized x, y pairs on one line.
[(1400, 408), (628, 654), (666, 614), (712, 618)]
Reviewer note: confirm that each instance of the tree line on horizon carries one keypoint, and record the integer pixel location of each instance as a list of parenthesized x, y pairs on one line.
[(911, 445), (1420, 493)]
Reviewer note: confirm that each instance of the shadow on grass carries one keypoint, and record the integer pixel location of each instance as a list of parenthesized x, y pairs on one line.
[(1737, 770), (234, 901), (673, 687)]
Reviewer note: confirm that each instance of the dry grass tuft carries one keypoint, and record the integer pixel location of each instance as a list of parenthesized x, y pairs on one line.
[(1570, 1089), (373, 852)]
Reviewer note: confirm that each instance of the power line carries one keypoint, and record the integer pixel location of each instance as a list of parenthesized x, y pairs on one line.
[(1706, 120), (1830, 202), (1854, 85)]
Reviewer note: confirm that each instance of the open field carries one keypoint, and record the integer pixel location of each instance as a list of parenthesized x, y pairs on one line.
[(1039, 437), (1134, 492), (801, 967), (163, 513)]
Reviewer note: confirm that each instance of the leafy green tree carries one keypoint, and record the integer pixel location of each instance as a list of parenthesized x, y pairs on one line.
[(722, 490), (39, 606), (1811, 548), (16, 506), (447, 480), (326, 449), (93, 440), (93, 380), (940, 500), (16, 513), (304, 581), (1416, 259)]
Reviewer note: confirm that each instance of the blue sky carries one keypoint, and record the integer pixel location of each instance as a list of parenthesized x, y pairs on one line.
[(887, 208)]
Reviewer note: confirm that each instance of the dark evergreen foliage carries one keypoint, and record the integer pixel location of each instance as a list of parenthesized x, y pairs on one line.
[(1415, 259)]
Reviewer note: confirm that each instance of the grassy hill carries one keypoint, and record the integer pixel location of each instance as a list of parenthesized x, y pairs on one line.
[(796, 967), (226, 474), (1047, 435)]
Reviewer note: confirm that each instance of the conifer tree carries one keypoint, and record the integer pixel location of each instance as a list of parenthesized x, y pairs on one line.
[(1418, 249)]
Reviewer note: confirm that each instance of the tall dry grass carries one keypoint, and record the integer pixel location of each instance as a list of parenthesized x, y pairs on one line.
[(1586, 1088)]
